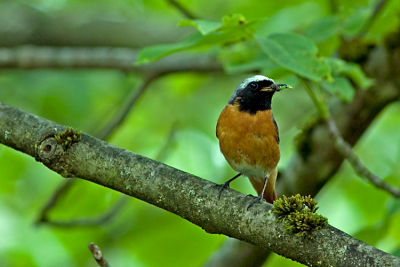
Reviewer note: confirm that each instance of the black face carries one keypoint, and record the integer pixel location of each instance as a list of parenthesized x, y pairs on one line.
[(252, 98)]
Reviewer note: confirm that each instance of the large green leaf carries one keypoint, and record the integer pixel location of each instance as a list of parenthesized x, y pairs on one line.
[(289, 19), (153, 53), (356, 21), (295, 53), (323, 29), (340, 87), (233, 28)]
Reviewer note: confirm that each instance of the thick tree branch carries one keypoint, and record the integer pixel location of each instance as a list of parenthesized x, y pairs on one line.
[(36, 57), (188, 196), (109, 214)]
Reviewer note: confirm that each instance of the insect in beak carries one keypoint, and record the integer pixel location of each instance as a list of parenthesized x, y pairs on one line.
[(274, 88)]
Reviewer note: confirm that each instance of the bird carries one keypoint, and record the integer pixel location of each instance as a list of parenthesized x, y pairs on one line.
[(249, 137)]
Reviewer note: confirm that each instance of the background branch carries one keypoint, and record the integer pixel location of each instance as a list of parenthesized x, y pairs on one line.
[(38, 57), (345, 149), (183, 10), (98, 255), (92, 221), (62, 188), (380, 4), (126, 107), (188, 196), (103, 134)]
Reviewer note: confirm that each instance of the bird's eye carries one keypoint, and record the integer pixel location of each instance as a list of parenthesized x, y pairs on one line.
[(253, 85)]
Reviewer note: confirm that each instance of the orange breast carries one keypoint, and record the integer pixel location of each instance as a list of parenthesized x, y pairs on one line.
[(249, 142)]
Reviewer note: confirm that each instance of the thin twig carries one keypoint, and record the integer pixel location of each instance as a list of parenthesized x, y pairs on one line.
[(57, 193), (380, 4), (183, 10), (321, 108), (98, 255), (345, 149), (333, 4), (98, 220), (126, 108)]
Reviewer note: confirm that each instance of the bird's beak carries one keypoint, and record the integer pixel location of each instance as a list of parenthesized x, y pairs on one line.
[(273, 88)]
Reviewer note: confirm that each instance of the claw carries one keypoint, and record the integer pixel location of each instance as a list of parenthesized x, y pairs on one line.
[(226, 185), (223, 187), (254, 201)]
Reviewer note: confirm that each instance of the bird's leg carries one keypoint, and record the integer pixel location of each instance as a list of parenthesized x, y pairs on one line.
[(226, 184), (260, 196)]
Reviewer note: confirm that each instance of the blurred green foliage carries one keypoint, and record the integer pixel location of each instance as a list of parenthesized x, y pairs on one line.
[(288, 40)]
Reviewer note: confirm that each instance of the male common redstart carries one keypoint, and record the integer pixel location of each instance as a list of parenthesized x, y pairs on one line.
[(249, 137)]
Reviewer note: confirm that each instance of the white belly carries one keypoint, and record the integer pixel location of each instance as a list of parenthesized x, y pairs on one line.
[(255, 172)]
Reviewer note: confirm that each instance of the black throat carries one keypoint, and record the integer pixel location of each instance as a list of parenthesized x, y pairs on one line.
[(253, 103)]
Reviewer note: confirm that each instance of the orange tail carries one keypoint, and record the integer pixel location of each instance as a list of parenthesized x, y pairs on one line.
[(270, 193)]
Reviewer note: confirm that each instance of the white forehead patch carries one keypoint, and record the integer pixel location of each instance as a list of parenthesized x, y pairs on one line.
[(242, 85), (255, 78)]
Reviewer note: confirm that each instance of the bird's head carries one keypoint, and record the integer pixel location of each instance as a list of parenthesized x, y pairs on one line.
[(255, 93)]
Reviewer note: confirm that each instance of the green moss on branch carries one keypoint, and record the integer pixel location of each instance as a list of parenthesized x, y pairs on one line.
[(67, 138), (298, 215)]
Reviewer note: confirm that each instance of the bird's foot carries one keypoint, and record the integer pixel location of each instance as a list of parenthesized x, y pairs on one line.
[(254, 201), (222, 188), (226, 185)]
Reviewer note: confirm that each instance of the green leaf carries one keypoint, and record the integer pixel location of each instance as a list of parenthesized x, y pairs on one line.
[(350, 70), (203, 26), (252, 64), (323, 29), (340, 87), (356, 21), (290, 18), (153, 53), (245, 57), (233, 20), (234, 28), (295, 53)]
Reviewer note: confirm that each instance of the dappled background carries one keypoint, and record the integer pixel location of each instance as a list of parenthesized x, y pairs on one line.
[(169, 114)]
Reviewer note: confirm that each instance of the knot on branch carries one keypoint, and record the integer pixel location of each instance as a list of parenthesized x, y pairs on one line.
[(49, 149), (52, 148)]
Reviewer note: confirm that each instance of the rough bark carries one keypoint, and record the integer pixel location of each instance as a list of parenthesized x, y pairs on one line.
[(188, 196)]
